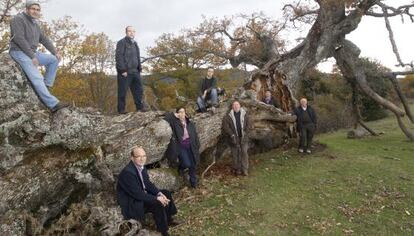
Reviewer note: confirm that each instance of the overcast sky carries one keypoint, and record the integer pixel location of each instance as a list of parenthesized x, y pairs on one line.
[(152, 18)]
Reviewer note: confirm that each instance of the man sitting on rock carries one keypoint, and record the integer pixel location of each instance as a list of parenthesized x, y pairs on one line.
[(25, 37), (269, 100), (209, 92), (137, 195)]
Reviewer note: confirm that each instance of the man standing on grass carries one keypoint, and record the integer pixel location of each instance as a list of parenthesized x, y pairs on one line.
[(306, 125), (25, 38), (236, 126)]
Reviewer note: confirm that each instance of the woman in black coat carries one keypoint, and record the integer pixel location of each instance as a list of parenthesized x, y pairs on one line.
[(184, 143)]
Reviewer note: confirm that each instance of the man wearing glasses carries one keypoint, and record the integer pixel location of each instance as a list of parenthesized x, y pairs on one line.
[(25, 38), (137, 195)]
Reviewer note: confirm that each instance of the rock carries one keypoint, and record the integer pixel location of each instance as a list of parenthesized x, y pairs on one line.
[(358, 133), (165, 178), (52, 163)]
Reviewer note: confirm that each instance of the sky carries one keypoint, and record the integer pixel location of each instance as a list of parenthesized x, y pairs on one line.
[(152, 18)]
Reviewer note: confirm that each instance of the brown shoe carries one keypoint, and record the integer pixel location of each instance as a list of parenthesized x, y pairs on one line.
[(58, 107)]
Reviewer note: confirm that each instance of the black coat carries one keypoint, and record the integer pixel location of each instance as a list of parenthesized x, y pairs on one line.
[(299, 116), (131, 196), (127, 56), (177, 135)]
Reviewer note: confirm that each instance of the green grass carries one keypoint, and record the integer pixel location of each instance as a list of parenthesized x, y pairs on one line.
[(358, 187)]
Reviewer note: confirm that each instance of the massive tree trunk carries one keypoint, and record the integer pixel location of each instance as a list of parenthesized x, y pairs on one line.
[(326, 39), (49, 162)]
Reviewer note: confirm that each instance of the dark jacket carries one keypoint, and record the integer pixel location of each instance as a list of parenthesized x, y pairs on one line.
[(26, 35), (131, 196), (299, 112), (230, 130), (127, 56), (272, 102), (207, 84), (177, 135)]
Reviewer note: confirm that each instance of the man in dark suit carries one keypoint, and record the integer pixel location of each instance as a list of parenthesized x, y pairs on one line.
[(306, 125), (137, 195)]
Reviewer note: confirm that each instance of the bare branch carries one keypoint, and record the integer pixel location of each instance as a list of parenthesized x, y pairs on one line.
[(392, 11), (145, 59), (299, 12), (392, 40)]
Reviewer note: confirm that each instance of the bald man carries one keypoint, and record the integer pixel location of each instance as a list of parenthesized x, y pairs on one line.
[(306, 125), (137, 195)]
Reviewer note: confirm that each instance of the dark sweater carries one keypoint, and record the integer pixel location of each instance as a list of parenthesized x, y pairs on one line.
[(238, 123), (306, 119), (207, 84), (26, 36)]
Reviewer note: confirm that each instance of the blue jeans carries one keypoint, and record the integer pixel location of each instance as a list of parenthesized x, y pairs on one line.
[(36, 78), (187, 162), (132, 82), (211, 96)]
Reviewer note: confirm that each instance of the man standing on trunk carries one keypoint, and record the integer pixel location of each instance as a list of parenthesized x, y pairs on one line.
[(306, 125), (25, 38), (128, 67), (236, 126)]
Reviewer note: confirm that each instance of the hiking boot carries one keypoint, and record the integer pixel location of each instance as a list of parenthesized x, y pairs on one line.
[(144, 109), (58, 107)]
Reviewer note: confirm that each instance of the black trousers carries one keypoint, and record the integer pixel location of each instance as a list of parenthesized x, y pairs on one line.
[(162, 215), (306, 135), (133, 82)]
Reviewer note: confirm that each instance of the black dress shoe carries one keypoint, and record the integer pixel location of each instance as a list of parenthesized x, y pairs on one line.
[(59, 106), (174, 222)]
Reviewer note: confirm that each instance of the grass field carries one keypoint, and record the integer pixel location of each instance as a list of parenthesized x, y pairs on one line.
[(348, 187)]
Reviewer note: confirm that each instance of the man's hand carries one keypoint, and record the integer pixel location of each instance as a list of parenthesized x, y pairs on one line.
[(125, 74), (164, 201), (35, 62)]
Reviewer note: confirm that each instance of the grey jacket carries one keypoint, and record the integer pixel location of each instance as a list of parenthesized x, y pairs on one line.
[(26, 35)]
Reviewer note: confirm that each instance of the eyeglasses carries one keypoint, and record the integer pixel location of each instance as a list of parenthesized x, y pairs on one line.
[(35, 9)]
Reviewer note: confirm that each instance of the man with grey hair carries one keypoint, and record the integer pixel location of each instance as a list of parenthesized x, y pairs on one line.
[(25, 38), (306, 121)]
